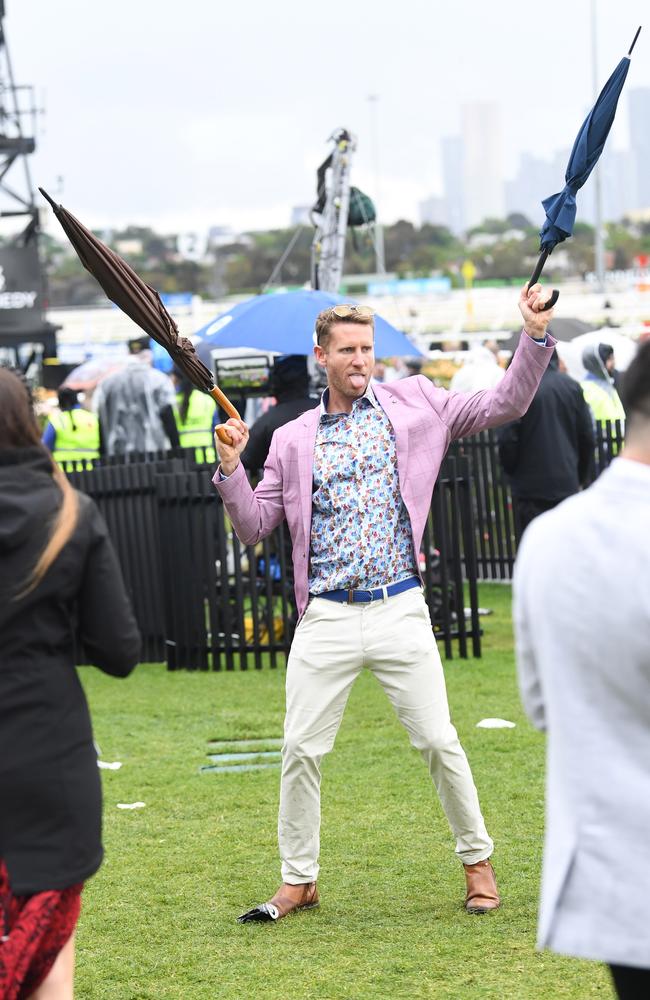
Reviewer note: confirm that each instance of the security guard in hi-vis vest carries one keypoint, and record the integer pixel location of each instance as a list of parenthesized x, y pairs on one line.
[(194, 411), (72, 433)]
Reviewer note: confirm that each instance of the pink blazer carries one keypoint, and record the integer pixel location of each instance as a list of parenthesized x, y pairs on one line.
[(425, 420)]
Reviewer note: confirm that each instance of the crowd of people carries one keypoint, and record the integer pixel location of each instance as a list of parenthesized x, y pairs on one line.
[(352, 473), (139, 408)]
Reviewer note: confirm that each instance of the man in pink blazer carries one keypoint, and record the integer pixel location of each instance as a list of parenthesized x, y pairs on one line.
[(354, 477)]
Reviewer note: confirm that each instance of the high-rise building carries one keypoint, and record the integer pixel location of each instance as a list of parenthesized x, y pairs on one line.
[(452, 178), (619, 186), (433, 211), (639, 105), (535, 179), (482, 175)]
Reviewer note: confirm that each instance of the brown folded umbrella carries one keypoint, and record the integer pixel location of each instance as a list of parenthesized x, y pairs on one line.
[(142, 304)]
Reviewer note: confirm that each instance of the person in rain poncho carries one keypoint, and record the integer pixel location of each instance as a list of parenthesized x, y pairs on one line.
[(598, 385), (480, 370), (135, 406)]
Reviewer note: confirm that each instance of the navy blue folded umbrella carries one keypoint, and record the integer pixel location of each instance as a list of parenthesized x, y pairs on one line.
[(561, 208)]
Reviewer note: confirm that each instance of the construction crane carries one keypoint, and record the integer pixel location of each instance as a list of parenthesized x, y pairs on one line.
[(330, 213)]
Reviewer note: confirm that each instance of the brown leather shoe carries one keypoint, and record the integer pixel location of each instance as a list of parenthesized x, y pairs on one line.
[(288, 899), (482, 893)]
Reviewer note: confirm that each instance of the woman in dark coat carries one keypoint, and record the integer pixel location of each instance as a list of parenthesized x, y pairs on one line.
[(60, 584)]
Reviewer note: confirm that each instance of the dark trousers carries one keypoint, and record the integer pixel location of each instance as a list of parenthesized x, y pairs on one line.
[(630, 984), (527, 508)]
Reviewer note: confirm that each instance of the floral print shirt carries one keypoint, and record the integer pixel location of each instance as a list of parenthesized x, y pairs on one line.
[(360, 530)]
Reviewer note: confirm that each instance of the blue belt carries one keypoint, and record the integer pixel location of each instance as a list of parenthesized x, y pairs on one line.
[(367, 596)]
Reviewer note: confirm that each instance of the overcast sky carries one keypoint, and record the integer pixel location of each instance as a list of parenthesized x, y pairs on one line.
[(181, 114)]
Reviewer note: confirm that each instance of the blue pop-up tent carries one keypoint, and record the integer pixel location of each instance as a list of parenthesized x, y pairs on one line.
[(284, 322)]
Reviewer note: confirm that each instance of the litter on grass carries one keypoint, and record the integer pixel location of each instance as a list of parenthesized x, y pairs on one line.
[(495, 724), (262, 742), (235, 768), (244, 758)]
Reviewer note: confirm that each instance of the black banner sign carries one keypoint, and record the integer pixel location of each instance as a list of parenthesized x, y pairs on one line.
[(21, 288)]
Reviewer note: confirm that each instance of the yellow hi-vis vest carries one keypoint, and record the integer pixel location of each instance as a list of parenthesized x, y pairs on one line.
[(196, 430), (604, 405), (77, 435)]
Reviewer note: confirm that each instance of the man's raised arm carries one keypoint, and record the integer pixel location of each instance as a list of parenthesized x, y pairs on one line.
[(467, 413)]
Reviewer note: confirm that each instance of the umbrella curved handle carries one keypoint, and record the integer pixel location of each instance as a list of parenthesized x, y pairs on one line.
[(534, 278), (551, 302), (222, 433)]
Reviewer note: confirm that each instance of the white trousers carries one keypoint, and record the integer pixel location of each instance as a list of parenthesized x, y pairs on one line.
[(332, 644)]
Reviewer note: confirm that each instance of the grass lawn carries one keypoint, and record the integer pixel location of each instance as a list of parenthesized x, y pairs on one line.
[(159, 917)]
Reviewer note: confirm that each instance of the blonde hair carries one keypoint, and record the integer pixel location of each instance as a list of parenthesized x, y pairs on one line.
[(329, 318)]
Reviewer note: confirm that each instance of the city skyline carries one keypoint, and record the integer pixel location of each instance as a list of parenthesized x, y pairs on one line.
[(469, 194), (184, 118)]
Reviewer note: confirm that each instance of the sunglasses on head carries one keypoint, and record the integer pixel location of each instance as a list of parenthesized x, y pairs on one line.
[(343, 310)]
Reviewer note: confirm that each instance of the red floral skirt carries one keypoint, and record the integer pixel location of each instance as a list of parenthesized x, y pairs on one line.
[(33, 930)]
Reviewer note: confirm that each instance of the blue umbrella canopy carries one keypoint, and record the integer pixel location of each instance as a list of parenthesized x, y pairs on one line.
[(284, 323), (560, 208)]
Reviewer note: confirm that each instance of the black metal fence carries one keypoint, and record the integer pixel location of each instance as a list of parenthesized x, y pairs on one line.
[(205, 601), (493, 507)]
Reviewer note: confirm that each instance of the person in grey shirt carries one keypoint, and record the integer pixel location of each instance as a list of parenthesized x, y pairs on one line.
[(135, 406)]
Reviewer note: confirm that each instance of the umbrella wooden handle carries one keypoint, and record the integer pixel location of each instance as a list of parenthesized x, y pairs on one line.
[(222, 433), (219, 397), (223, 401)]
